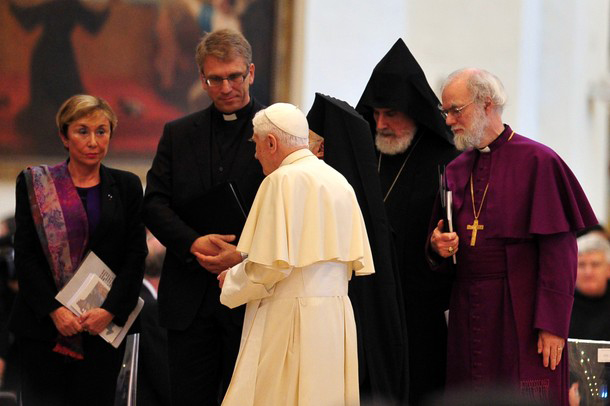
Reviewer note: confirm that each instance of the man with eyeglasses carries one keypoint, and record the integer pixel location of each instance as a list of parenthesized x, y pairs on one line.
[(411, 141), (516, 210), (196, 153)]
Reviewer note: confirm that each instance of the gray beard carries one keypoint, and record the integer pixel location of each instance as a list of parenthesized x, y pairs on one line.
[(394, 144), (473, 136), (467, 140)]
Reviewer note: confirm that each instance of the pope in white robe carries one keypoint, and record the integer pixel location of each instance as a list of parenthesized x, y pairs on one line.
[(304, 238)]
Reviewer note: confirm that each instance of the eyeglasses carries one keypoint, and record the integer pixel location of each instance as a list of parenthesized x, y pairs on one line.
[(234, 79), (455, 111), (252, 140)]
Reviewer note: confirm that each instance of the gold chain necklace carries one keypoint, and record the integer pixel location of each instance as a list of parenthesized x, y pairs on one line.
[(475, 227), (401, 168)]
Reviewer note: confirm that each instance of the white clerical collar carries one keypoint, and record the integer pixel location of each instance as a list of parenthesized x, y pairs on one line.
[(484, 150), (229, 117)]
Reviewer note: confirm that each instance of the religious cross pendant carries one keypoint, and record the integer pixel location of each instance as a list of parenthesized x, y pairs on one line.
[(475, 227)]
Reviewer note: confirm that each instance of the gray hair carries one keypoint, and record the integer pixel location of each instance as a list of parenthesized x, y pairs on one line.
[(224, 44), (263, 126), (594, 242), (482, 85)]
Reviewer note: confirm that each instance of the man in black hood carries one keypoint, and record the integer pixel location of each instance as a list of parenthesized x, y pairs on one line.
[(412, 141)]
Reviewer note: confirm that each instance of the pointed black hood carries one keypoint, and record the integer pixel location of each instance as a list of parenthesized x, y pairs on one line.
[(348, 146), (399, 83)]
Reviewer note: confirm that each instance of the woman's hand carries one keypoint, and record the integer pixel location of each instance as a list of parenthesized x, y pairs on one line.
[(66, 322), (94, 321)]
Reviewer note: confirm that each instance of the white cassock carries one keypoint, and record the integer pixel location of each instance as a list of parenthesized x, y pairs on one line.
[(304, 237)]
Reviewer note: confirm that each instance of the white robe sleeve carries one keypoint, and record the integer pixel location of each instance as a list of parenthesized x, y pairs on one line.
[(249, 281)]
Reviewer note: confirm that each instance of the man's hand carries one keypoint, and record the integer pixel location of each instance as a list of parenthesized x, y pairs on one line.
[(221, 278), (206, 244), (66, 322), (95, 320), (444, 244), (220, 255), (551, 348)]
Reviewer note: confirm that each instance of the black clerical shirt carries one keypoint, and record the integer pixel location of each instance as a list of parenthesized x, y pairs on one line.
[(228, 130)]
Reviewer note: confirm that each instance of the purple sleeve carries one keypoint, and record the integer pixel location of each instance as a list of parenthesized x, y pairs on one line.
[(557, 261)]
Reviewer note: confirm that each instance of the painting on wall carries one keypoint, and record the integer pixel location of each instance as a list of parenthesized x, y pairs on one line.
[(136, 54)]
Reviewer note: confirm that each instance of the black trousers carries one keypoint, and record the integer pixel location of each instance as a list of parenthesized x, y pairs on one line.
[(52, 379), (202, 357)]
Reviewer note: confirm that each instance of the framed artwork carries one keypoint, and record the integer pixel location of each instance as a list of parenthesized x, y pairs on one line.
[(139, 55)]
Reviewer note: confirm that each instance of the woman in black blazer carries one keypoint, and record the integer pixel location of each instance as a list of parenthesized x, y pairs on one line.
[(63, 212)]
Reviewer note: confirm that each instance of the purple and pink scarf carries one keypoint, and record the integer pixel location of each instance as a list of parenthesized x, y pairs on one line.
[(62, 227)]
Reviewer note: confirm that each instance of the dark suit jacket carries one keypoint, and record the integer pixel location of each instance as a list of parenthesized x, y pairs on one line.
[(179, 177), (119, 240)]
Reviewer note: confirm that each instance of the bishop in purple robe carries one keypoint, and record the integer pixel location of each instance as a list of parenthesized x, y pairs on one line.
[(516, 209)]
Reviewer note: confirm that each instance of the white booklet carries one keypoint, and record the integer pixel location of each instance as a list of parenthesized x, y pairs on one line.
[(449, 202), (88, 289)]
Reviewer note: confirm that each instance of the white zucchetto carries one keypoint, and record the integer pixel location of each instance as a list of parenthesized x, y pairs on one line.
[(288, 118)]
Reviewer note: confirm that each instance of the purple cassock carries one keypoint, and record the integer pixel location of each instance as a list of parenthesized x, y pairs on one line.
[(518, 277)]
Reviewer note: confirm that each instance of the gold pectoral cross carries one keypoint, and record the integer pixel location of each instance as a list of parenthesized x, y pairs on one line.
[(475, 227)]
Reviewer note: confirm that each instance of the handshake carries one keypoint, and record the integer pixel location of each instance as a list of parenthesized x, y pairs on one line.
[(215, 252)]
